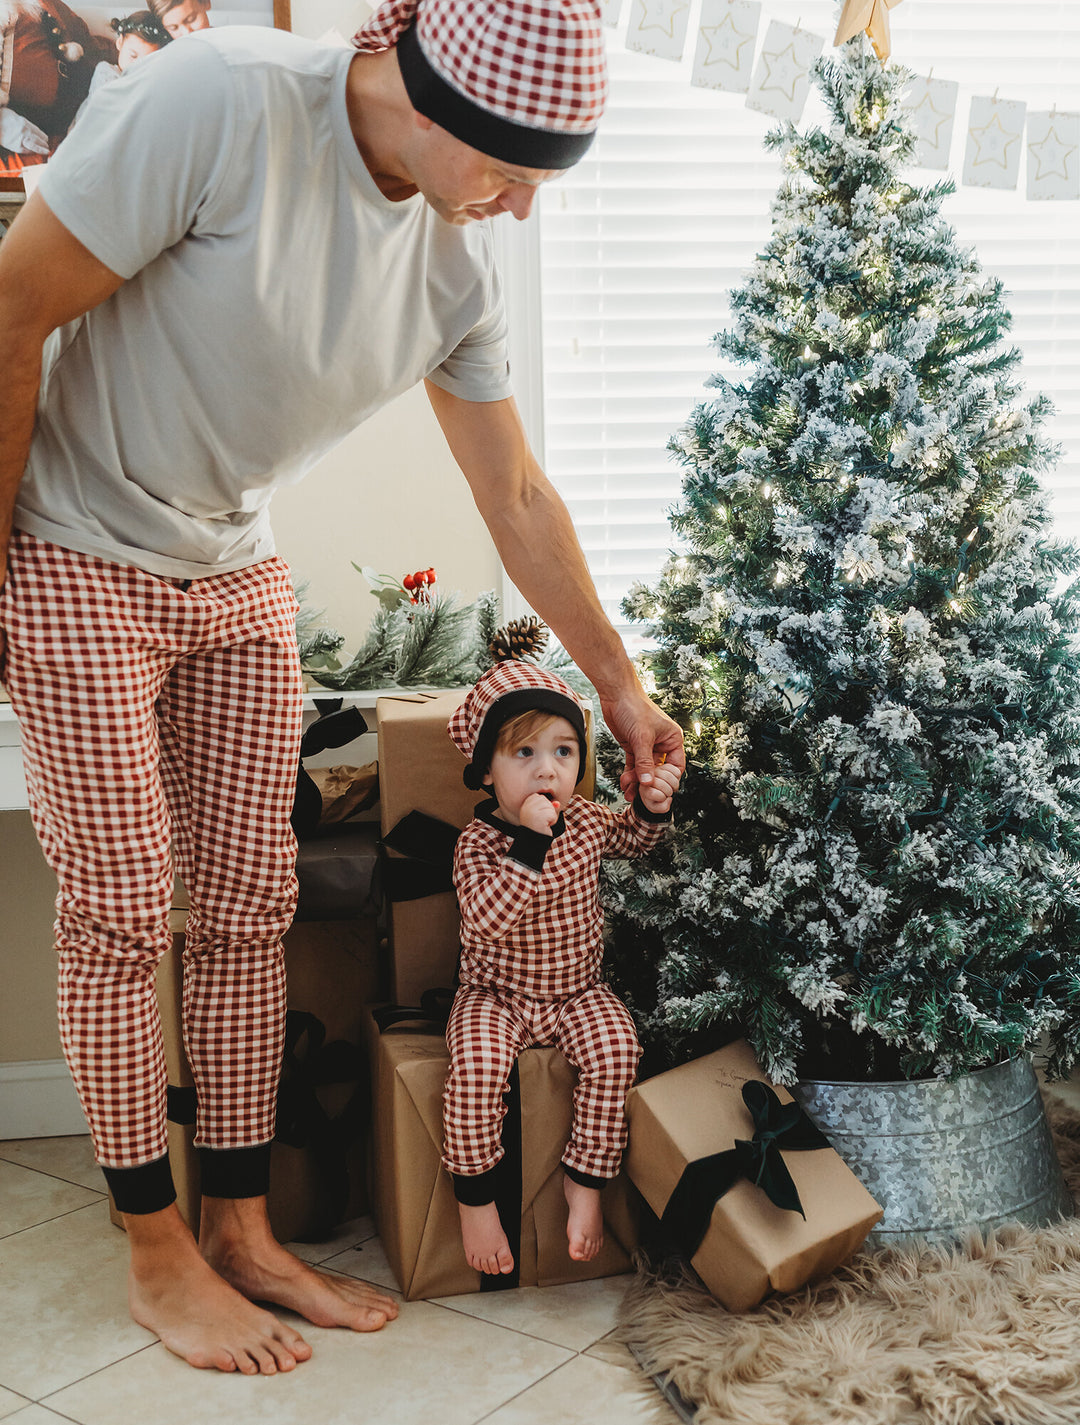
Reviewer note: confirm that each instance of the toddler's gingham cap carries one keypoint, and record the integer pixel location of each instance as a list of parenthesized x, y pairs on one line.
[(523, 81), (501, 693)]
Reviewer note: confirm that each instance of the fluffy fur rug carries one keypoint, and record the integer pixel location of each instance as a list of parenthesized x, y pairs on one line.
[(985, 1334)]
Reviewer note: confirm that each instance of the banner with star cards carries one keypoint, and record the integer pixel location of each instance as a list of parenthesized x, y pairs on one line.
[(725, 49), (931, 106), (995, 134), (658, 27), (1053, 141), (782, 79)]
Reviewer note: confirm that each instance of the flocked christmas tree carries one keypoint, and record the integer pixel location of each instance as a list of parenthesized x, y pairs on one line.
[(868, 637)]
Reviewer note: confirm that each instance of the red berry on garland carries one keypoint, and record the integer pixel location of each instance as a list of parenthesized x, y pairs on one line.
[(409, 581)]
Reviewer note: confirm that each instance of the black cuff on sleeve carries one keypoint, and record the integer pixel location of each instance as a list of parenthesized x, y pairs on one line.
[(478, 1189), (529, 847), (148, 1188), (235, 1172), (641, 810), (583, 1179)]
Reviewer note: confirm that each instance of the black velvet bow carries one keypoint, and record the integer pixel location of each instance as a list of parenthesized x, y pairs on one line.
[(776, 1125), (425, 863), (334, 727)]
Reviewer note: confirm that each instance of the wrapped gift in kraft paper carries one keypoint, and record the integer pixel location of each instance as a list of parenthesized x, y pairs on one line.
[(424, 803), (745, 1186), (420, 776), (412, 1194)]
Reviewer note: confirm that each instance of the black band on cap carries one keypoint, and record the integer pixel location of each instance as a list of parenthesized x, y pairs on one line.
[(462, 117)]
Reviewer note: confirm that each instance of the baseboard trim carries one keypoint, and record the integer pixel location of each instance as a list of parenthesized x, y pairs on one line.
[(38, 1100)]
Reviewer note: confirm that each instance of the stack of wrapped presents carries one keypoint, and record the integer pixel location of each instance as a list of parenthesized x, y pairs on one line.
[(742, 1184)]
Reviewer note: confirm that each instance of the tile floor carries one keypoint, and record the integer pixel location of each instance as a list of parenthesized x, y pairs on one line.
[(70, 1352)]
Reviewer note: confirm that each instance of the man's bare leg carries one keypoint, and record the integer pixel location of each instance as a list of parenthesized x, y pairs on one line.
[(236, 1240), (175, 1293)]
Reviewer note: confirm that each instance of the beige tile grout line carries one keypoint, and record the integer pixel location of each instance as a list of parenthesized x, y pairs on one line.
[(56, 1217)]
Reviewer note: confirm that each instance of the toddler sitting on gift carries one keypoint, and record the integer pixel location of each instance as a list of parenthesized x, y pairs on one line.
[(526, 872)]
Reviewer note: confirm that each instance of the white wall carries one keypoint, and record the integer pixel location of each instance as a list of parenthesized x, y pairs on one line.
[(391, 497)]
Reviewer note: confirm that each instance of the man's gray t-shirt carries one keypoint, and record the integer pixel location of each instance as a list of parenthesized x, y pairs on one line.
[(274, 300)]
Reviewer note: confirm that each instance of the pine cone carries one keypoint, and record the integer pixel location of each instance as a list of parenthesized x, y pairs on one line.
[(519, 638)]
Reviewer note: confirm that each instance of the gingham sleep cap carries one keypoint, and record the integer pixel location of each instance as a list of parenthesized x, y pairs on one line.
[(523, 81)]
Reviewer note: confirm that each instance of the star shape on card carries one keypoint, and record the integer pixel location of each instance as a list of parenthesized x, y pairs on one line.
[(725, 43), (871, 16), (661, 15), (785, 69), (1052, 155), (929, 119), (993, 141)]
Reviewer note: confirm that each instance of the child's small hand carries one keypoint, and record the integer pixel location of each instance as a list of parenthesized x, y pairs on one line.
[(658, 794), (539, 813)]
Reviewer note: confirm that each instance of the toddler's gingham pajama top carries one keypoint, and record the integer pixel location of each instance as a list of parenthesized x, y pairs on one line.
[(531, 950)]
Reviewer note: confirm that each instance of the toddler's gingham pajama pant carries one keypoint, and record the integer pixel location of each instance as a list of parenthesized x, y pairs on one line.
[(485, 1034), (159, 713)]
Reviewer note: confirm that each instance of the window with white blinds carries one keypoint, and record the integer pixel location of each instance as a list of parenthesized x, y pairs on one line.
[(639, 246)]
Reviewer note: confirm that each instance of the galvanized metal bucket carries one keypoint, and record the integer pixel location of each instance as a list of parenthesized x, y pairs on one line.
[(942, 1157)]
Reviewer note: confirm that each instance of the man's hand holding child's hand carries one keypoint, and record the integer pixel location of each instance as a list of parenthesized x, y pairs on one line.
[(658, 793)]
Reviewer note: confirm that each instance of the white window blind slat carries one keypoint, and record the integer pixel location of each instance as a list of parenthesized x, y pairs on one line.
[(642, 243)]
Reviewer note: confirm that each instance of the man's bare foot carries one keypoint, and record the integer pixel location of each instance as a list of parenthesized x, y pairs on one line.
[(236, 1240), (585, 1224), (174, 1293), (486, 1247)]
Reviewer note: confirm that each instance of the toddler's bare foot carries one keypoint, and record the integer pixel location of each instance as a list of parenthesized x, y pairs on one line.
[(585, 1224), (237, 1242), (173, 1292), (486, 1247)]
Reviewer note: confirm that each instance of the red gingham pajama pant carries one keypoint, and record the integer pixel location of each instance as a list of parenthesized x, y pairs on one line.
[(486, 1032), (154, 715)]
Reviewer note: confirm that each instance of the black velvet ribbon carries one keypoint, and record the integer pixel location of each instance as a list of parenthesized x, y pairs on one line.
[(425, 864), (703, 1182), (312, 1062), (334, 727)]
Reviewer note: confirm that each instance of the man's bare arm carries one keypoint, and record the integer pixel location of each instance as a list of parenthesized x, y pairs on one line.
[(47, 278), (536, 541)]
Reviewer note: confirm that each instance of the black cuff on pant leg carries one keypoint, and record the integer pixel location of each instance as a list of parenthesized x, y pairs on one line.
[(235, 1172), (478, 1189), (582, 1179), (148, 1188)]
